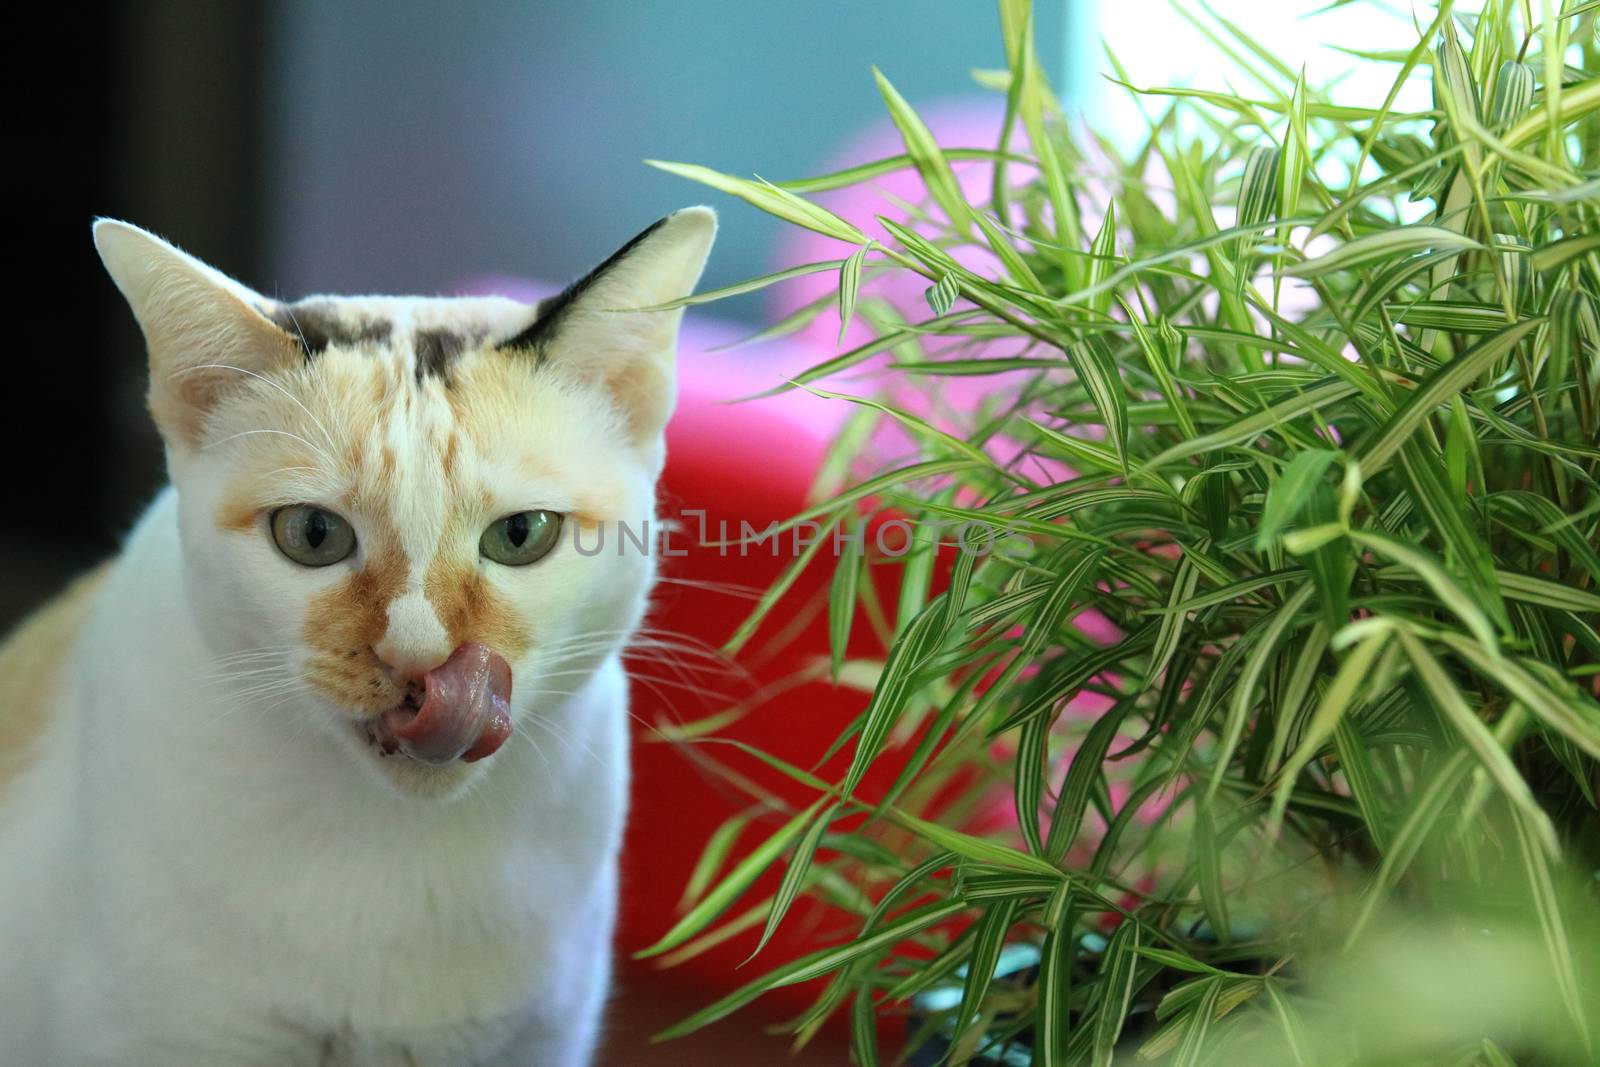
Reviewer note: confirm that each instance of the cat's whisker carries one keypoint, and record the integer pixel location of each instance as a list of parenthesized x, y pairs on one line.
[(251, 701), (320, 453), (681, 685), (249, 653), (733, 589), (523, 735), (582, 746), (327, 437), (235, 675)]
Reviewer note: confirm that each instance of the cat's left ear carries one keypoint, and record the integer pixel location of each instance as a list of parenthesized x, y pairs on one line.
[(206, 333), (591, 329)]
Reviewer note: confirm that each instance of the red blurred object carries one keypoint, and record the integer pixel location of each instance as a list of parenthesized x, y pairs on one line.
[(749, 464)]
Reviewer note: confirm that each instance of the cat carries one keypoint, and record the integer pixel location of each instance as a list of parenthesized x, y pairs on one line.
[(329, 765)]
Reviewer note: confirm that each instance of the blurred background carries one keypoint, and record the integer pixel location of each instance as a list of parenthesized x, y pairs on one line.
[(413, 147), (397, 147)]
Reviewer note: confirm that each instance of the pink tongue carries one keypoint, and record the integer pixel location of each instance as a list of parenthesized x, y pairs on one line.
[(466, 712)]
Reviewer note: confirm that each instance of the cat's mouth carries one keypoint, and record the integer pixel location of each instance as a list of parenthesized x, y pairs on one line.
[(463, 711)]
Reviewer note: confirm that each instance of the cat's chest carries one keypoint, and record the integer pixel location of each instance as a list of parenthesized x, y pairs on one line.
[(405, 926), (368, 964), (347, 935)]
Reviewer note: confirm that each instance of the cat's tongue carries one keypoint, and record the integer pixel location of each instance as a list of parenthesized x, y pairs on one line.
[(466, 712)]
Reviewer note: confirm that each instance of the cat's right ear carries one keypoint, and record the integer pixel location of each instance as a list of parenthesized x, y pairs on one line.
[(205, 332)]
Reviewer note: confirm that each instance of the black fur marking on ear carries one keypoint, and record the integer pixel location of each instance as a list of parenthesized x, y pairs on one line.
[(316, 324), (551, 310), (436, 350)]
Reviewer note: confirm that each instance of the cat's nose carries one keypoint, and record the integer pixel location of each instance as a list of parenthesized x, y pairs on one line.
[(408, 666), (413, 643)]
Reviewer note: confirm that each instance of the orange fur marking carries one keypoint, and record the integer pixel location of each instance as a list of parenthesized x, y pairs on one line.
[(470, 609), (345, 622), (452, 449), (466, 603), (29, 661), (237, 516)]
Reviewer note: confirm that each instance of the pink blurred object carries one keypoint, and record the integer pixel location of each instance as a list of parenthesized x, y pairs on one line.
[(971, 123), (947, 401)]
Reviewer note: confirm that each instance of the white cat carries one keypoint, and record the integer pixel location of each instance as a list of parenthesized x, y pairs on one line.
[(329, 766)]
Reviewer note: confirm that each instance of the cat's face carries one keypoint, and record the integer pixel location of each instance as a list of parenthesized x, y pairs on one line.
[(390, 506)]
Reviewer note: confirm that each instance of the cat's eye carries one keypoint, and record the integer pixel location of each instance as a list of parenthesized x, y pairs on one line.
[(312, 537), (520, 539)]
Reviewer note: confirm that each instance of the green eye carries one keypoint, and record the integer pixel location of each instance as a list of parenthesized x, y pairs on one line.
[(312, 537), (520, 539)]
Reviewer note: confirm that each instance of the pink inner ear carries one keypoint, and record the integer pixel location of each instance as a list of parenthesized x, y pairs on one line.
[(645, 390)]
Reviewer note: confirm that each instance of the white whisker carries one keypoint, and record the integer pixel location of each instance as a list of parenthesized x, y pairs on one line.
[(327, 437)]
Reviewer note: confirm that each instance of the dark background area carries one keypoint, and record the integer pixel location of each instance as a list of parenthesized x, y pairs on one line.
[(151, 112), (325, 146)]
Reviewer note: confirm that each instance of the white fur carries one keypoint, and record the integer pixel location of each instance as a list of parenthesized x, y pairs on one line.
[(203, 864)]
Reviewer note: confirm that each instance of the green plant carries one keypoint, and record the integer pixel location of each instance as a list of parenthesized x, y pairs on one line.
[(1327, 379)]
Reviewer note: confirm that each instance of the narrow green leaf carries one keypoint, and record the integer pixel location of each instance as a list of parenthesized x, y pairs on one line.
[(1436, 391), (1096, 368), (712, 857), (864, 1028), (842, 596), (865, 172), (1384, 245), (1336, 701), (1449, 315), (1033, 747), (749, 286), (1172, 622), (1118, 967), (849, 287), (1289, 1020), (1198, 1028), (1362, 775), (1082, 775), (775, 592), (1427, 808), (817, 964), (732, 885), (1552, 924), (986, 945), (794, 878), (1258, 195), (1290, 492), (1570, 714), (901, 674), (1251, 426), (1513, 94), (1558, 254), (1262, 650), (1052, 1026), (974, 848), (1444, 587), (1494, 759), (925, 152), (1207, 870), (769, 198), (1103, 261)]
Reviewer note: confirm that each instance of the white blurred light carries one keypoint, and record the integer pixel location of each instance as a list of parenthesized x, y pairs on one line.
[(1159, 47)]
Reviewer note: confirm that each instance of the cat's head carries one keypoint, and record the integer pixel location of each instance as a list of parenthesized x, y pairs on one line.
[(389, 506)]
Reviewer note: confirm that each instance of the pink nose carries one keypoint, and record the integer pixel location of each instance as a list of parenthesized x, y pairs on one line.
[(408, 666)]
